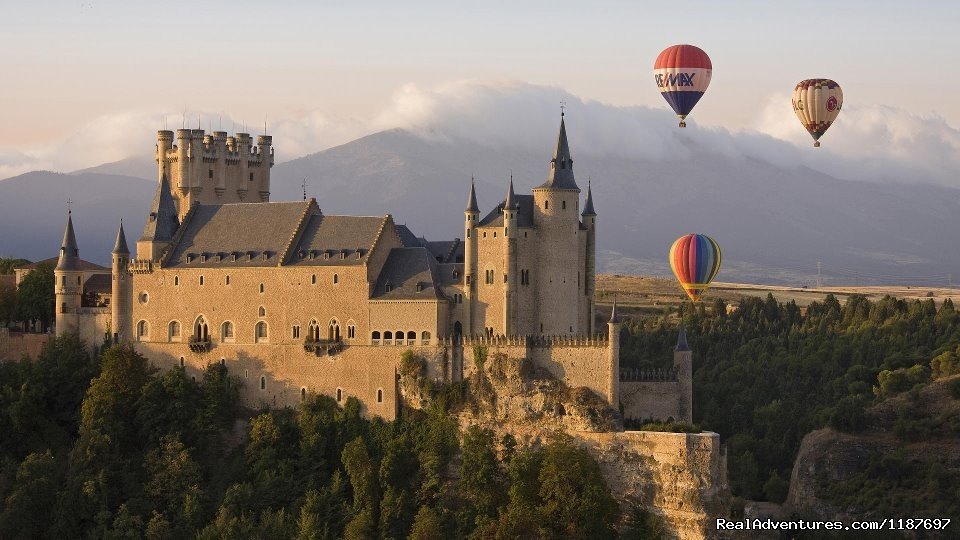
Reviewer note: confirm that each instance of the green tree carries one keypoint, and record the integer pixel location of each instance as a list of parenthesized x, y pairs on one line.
[(575, 499), (8, 303), (35, 296), (7, 264), (480, 481), (25, 512), (427, 526)]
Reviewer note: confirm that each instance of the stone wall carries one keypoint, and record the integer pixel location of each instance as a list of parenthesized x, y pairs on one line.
[(659, 400), (14, 345), (95, 324)]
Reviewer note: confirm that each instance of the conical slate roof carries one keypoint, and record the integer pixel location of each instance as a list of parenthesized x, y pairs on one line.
[(120, 246), (561, 166), (69, 252), (162, 223), (682, 340), (472, 200), (588, 206), (614, 313), (510, 203)]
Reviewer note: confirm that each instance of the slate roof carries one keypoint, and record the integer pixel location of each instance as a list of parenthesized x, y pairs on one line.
[(218, 231), (335, 235), (99, 283), (407, 238), (120, 246), (446, 251), (561, 166), (162, 223), (524, 213), (86, 266), (404, 270), (69, 253), (450, 274)]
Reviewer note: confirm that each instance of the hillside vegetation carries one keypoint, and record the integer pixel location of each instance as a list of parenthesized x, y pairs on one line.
[(768, 373)]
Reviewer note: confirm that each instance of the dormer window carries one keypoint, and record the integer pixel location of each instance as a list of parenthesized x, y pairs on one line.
[(265, 255), (233, 257), (203, 257), (189, 258), (301, 254), (343, 254), (419, 287), (326, 255), (359, 254), (387, 287)]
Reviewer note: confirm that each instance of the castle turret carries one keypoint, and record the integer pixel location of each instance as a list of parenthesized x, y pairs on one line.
[(560, 246), (683, 364), (510, 207), (471, 217), (219, 146), (613, 356), (162, 224), (68, 288), (242, 146), (589, 217), (265, 153), (121, 300)]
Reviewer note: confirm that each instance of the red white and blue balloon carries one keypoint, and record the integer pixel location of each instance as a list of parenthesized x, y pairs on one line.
[(682, 74)]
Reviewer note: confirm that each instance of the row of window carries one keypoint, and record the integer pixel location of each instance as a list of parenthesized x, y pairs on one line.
[(201, 330), (226, 281), (398, 338), (490, 275)]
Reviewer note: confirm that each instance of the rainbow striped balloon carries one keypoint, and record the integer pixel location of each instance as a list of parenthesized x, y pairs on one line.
[(682, 73), (695, 260)]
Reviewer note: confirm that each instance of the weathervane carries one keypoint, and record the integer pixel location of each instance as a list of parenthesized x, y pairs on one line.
[(304, 186), (69, 209), (563, 105)]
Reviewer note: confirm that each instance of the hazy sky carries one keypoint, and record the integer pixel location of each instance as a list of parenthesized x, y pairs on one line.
[(65, 65)]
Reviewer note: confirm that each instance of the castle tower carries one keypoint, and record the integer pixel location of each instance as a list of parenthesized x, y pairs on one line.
[(214, 169), (510, 207), (560, 247), (589, 217), (613, 356), (471, 217), (68, 287), (162, 224), (121, 301), (683, 364)]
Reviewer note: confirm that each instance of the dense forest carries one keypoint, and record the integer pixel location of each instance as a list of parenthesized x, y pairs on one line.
[(107, 447), (33, 300), (768, 373)]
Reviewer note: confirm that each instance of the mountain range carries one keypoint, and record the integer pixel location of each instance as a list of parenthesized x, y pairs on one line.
[(773, 221)]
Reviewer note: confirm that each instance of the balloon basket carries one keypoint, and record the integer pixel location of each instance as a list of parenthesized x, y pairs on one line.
[(816, 144), (683, 124)]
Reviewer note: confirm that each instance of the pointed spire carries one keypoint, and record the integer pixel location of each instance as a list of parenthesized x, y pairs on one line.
[(120, 246), (510, 203), (162, 223), (561, 166), (472, 200), (588, 205), (69, 252), (682, 340), (614, 313)]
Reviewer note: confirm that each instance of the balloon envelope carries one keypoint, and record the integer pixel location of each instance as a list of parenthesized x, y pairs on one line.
[(682, 73), (695, 260), (817, 102)]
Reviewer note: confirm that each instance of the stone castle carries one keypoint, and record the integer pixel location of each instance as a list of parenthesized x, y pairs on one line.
[(294, 300)]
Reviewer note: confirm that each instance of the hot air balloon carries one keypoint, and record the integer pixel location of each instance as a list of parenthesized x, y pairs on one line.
[(817, 103), (682, 73), (695, 260)]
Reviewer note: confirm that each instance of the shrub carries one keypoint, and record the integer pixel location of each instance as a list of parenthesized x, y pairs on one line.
[(954, 388)]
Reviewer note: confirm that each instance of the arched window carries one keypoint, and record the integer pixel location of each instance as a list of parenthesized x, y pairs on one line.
[(375, 337), (261, 312), (176, 281), (223, 361), (296, 331), (563, 205), (313, 279), (313, 331), (201, 280), (261, 288), (546, 205), (351, 329), (226, 331), (336, 279), (200, 330), (303, 394), (143, 330), (226, 280), (339, 395), (411, 338), (261, 332), (379, 395), (333, 330), (181, 362), (424, 338), (387, 337), (263, 382), (398, 337), (173, 331)]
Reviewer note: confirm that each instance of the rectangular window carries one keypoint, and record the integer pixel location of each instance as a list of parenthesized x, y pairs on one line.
[(296, 331)]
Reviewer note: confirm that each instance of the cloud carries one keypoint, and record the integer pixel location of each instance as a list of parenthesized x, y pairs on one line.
[(868, 142)]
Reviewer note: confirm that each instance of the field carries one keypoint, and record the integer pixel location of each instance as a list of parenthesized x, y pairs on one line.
[(648, 295)]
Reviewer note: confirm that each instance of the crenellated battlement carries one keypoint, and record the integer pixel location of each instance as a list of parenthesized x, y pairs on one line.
[(214, 168), (598, 340)]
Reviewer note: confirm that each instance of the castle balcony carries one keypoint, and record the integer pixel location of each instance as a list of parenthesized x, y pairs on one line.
[(200, 345), (323, 347)]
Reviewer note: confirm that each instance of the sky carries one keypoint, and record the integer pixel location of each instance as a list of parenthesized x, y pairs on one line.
[(88, 82)]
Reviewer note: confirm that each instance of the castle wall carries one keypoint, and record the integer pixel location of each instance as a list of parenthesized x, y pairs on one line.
[(14, 345), (407, 316), (357, 370), (659, 400), (561, 257), (525, 308), (94, 325)]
